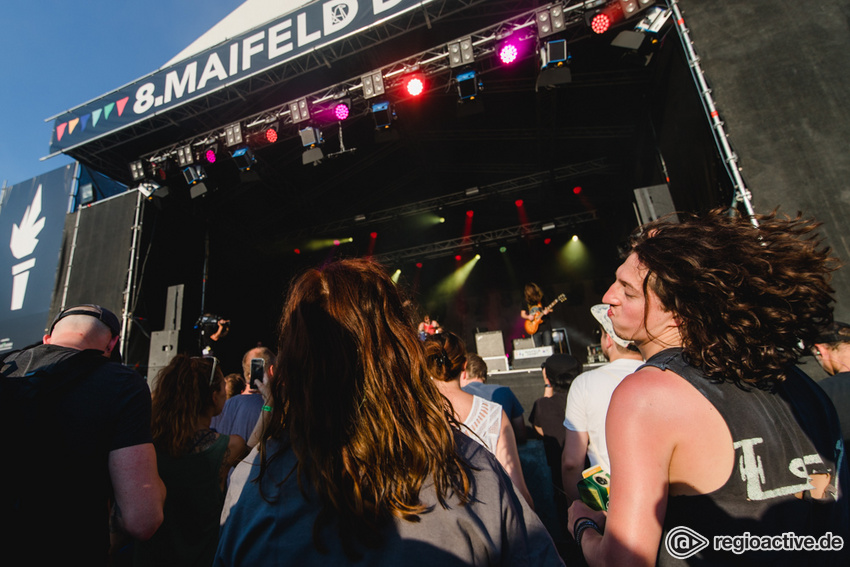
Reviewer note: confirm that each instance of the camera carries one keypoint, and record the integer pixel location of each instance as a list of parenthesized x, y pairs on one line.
[(209, 320)]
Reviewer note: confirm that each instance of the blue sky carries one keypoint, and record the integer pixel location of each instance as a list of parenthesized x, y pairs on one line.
[(57, 54)]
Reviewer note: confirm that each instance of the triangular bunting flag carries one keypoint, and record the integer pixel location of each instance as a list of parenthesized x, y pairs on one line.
[(60, 131), (121, 104), (107, 110), (84, 120), (72, 124), (95, 116)]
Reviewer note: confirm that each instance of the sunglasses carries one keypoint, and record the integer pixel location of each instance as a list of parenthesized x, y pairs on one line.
[(214, 365)]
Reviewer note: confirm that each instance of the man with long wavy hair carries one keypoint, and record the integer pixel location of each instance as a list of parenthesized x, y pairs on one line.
[(360, 461), (722, 451)]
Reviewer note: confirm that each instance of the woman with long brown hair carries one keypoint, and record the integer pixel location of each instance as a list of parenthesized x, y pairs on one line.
[(193, 461), (359, 462)]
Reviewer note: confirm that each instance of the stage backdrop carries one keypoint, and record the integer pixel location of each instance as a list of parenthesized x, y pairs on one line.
[(31, 221)]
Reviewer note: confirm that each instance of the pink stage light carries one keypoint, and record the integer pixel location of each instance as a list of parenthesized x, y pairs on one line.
[(508, 53), (210, 155), (341, 111)]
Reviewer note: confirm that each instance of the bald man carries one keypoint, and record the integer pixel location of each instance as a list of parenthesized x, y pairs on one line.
[(80, 428)]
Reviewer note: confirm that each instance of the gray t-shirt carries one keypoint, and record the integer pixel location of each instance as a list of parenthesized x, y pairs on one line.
[(496, 528)]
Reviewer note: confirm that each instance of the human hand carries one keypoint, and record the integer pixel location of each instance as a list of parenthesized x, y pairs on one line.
[(579, 510)]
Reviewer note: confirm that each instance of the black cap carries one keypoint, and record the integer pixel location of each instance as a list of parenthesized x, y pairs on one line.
[(560, 365), (102, 314), (836, 332)]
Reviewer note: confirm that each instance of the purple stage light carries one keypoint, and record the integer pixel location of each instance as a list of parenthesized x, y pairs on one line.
[(508, 53), (341, 111)]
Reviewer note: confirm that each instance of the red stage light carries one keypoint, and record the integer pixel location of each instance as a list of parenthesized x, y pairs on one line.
[(508, 53), (414, 84), (270, 135), (547, 241), (419, 264), (374, 235), (469, 213), (457, 257), (600, 23), (518, 202), (297, 251), (576, 189), (341, 111)]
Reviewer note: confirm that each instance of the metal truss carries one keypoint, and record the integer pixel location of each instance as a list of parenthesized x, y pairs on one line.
[(448, 247), (432, 63), (470, 195)]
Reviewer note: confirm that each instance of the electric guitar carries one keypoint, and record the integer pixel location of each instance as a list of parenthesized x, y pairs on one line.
[(531, 325)]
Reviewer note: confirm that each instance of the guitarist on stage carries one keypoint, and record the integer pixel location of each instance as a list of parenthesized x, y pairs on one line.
[(537, 323)]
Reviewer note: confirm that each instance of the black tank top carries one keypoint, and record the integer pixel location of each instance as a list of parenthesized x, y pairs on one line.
[(780, 437)]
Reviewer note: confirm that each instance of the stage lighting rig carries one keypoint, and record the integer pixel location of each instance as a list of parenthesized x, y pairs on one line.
[(460, 52)]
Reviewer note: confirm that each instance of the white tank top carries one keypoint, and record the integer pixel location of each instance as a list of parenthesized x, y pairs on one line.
[(484, 422)]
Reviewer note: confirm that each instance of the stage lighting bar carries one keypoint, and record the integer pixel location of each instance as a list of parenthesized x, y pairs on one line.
[(550, 21), (299, 111), (185, 156), (373, 84), (432, 62), (137, 170), (233, 134), (460, 52)]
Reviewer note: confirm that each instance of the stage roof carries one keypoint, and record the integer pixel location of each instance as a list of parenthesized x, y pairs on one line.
[(572, 152)]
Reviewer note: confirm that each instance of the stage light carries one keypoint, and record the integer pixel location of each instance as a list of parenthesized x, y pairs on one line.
[(414, 84), (548, 226), (553, 64), (600, 23), (550, 21), (460, 52), (508, 52), (299, 111), (577, 190), (137, 170), (467, 85), (311, 137), (211, 153), (194, 174), (270, 135), (383, 113), (342, 109), (185, 156), (244, 158), (233, 134), (373, 84), (518, 202), (574, 238)]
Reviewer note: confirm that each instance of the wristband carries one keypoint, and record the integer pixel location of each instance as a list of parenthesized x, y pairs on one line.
[(267, 408), (582, 524)]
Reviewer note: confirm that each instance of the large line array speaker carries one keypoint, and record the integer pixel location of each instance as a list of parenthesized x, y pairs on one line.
[(166, 343), (489, 344)]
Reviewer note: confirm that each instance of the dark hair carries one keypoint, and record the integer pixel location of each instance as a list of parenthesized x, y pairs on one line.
[(476, 367), (353, 401), (748, 298), (183, 392), (533, 294), (445, 354)]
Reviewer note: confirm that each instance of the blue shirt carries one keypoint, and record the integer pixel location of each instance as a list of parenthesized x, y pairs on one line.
[(502, 395)]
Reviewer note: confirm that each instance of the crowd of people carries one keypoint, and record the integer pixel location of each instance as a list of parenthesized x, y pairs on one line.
[(384, 443)]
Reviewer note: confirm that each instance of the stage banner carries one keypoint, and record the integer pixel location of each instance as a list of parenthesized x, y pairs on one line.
[(294, 34), (32, 219)]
